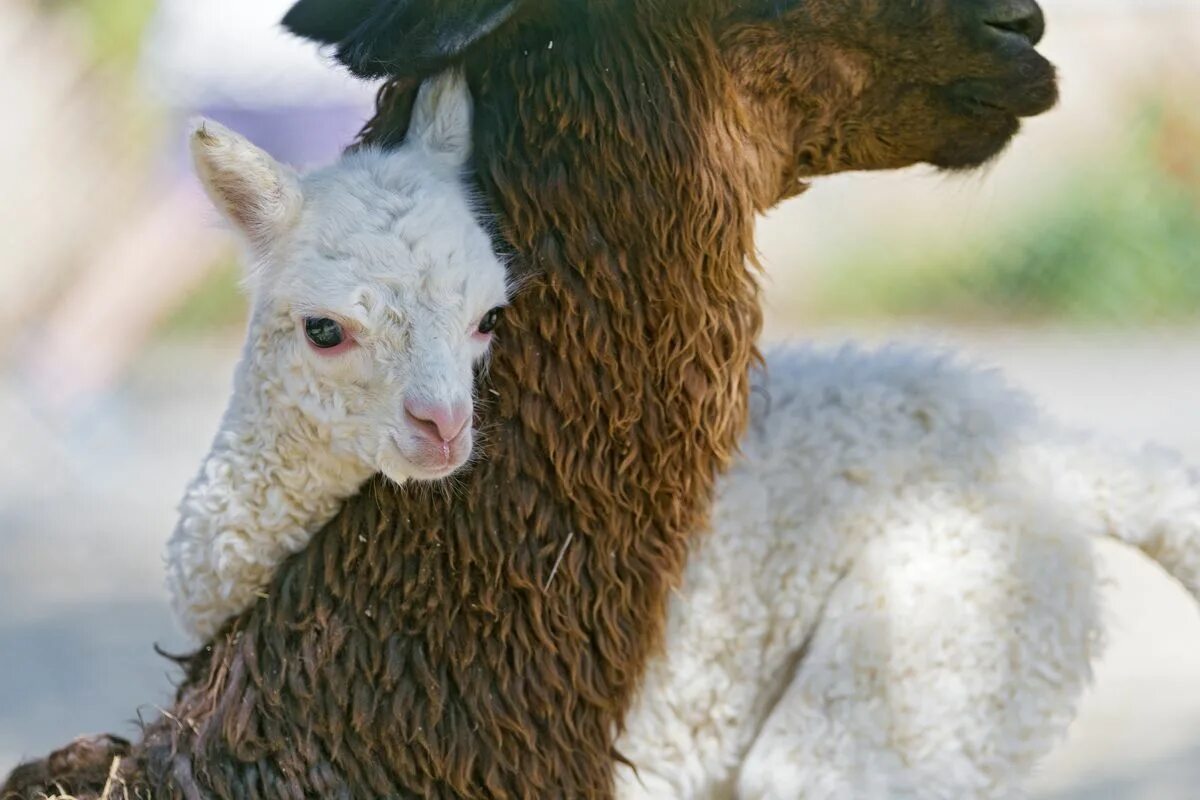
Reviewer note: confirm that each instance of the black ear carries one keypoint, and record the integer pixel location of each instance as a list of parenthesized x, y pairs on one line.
[(326, 21), (399, 38)]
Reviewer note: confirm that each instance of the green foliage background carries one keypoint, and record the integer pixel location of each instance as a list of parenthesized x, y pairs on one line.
[(1118, 242)]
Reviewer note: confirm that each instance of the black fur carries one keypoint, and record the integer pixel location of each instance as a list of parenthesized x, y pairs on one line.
[(399, 38), (327, 22)]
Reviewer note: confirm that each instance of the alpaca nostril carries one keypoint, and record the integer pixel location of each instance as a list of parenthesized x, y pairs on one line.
[(439, 423), (426, 428), (1021, 17)]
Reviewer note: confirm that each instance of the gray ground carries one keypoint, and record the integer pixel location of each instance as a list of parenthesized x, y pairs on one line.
[(83, 515)]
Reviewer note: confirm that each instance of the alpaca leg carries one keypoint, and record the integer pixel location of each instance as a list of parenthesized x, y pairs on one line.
[(949, 659)]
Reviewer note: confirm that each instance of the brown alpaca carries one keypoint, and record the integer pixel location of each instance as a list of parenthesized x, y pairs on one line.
[(484, 641)]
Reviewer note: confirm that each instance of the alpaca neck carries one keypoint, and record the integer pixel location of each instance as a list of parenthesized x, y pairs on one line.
[(501, 627), (271, 478), (280, 449)]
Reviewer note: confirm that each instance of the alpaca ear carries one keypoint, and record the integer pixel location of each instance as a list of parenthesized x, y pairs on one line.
[(441, 118), (260, 196), (399, 38), (326, 21)]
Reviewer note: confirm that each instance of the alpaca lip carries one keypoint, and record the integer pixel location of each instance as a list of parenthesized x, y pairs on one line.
[(1017, 28), (1011, 36), (1032, 91), (431, 460), (1021, 82)]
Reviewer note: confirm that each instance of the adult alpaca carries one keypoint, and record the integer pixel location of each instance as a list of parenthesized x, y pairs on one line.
[(486, 642)]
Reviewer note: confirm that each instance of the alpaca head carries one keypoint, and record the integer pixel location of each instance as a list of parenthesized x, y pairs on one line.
[(884, 84), (830, 85), (374, 289)]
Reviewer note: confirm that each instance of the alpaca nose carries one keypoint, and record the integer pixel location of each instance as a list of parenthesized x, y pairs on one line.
[(1021, 17), (438, 422)]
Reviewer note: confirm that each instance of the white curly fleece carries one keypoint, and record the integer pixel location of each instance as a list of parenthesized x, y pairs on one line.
[(386, 245), (271, 479), (898, 595)]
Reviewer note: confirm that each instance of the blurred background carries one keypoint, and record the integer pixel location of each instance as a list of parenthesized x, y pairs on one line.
[(1073, 263)]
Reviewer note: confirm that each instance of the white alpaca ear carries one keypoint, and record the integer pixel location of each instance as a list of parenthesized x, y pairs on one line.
[(260, 196), (441, 118)]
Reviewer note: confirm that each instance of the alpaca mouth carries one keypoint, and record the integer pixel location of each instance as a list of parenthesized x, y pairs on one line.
[(428, 460), (1034, 91), (990, 108), (1016, 24), (1023, 82)]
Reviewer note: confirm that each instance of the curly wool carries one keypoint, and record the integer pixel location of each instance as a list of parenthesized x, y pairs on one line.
[(898, 598), (271, 479)]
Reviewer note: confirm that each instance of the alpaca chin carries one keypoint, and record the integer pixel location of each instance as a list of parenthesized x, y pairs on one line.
[(415, 458)]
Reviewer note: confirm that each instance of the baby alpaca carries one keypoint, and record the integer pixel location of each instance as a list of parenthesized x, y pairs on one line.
[(898, 598), (374, 293)]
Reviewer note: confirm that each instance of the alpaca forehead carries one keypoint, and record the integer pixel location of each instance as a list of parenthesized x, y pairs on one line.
[(377, 272), (403, 192), (369, 271), (414, 231)]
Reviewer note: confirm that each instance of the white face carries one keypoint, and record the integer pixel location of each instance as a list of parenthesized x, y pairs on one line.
[(378, 293), (388, 293)]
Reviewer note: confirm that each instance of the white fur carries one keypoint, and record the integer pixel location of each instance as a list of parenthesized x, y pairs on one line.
[(387, 244), (898, 598)]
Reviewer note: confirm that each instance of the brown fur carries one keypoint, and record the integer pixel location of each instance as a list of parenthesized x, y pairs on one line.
[(418, 647)]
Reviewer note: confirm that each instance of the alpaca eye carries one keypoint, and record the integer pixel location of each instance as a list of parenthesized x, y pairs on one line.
[(323, 332), (491, 319)]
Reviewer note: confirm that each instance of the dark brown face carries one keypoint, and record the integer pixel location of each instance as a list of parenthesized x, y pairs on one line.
[(877, 84), (828, 85)]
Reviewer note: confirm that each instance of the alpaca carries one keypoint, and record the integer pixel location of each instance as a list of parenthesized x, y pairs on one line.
[(875, 454), (374, 293), (863, 476), (900, 426), (898, 595), (487, 642)]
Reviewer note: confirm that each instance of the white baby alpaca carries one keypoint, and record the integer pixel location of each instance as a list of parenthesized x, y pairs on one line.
[(374, 293), (898, 597)]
